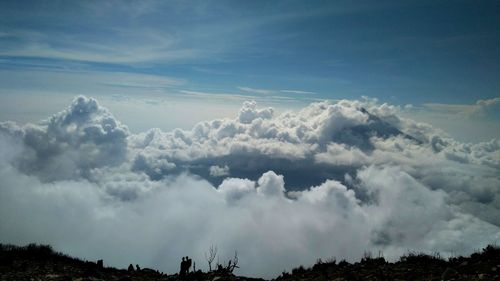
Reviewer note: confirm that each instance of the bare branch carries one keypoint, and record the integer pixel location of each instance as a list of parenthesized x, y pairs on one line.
[(232, 264), (212, 253)]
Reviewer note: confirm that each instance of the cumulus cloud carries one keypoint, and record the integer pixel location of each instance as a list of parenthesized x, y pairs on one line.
[(271, 184), (70, 143), (218, 171), (334, 179), (482, 108)]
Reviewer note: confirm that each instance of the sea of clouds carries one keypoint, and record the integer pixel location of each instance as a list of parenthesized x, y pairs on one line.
[(335, 179)]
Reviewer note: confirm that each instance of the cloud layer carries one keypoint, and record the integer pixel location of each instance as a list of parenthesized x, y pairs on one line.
[(334, 179)]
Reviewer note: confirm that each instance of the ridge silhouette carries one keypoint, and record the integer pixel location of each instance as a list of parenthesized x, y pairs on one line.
[(41, 262)]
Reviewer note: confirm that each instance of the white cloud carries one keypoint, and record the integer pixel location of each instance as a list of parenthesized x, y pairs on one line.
[(249, 112), (234, 189), (270, 92), (480, 109), (271, 184), (198, 94), (297, 92), (334, 179), (218, 171), (72, 142)]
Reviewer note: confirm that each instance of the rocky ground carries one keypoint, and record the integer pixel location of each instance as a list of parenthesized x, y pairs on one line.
[(40, 262), (484, 265), (35, 262)]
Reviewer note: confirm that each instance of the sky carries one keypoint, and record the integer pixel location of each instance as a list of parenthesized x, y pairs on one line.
[(144, 131), (439, 56)]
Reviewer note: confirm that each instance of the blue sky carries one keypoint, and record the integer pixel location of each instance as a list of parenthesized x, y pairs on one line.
[(286, 53)]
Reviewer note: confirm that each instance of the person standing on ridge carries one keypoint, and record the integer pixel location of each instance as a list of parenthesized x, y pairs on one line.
[(183, 268), (188, 264)]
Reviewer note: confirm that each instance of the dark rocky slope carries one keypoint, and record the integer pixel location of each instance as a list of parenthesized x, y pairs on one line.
[(36, 262), (484, 265)]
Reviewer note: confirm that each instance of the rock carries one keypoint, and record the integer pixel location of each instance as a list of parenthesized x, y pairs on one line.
[(449, 274), (92, 272), (63, 278)]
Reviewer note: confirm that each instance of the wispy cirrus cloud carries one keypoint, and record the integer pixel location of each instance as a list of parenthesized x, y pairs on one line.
[(133, 33), (214, 95), (271, 92), (83, 80), (298, 92), (239, 97), (257, 91), (127, 46)]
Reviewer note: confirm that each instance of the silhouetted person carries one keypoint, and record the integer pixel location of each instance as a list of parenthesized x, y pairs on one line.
[(100, 264), (188, 264), (130, 268), (137, 267), (183, 268)]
